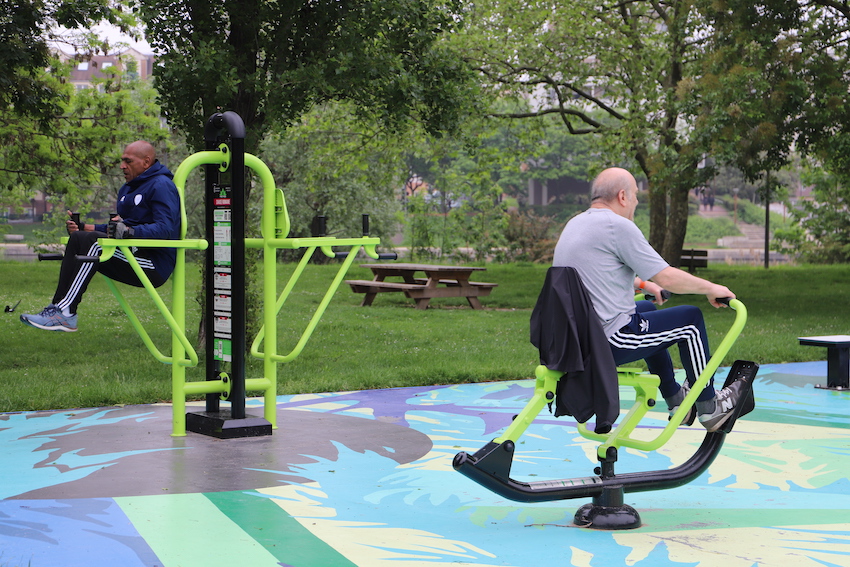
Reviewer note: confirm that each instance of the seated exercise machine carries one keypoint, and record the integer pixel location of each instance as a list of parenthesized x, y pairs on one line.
[(225, 243), (490, 466)]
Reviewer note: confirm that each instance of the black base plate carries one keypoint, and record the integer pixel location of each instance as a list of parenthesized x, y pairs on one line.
[(220, 424), (598, 517), (833, 388)]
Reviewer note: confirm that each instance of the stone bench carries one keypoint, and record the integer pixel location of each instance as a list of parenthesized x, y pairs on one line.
[(837, 359)]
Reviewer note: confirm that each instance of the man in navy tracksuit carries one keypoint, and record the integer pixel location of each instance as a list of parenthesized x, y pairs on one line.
[(148, 207)]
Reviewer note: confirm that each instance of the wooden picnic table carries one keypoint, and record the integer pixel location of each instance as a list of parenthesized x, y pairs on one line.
[(439, 281)]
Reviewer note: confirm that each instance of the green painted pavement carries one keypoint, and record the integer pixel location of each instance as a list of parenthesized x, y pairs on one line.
[(188, 530), (277, 531)]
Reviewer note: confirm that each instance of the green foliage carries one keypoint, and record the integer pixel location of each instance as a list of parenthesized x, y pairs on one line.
[(431, 231), (777, 75), (612, 70), (26, 27), (530, 237), (332, 164), (707, 231), (453, 194), (272, 61), (482, 221), (465, 186), (750, 86), (752, 213), (820, 233), (551, 152), (75, 161)]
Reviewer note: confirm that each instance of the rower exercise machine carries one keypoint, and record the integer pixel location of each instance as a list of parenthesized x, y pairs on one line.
[(490, 466)]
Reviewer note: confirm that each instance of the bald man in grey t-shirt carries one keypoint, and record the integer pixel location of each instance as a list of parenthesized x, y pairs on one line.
[(613, 259)]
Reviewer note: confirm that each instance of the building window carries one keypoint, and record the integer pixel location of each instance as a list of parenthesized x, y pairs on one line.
[(106, 65), (83, 66)]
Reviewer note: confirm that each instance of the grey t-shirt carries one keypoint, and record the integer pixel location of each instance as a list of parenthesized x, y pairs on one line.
[(608, 251)]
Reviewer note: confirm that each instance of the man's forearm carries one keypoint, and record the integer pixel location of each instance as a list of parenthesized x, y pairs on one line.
[(679, 281)]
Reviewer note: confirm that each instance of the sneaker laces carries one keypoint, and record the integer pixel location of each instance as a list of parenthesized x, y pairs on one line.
[(49, 310), (726, 399)]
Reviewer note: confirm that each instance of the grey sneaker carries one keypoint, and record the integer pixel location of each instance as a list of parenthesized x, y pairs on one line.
[(717, 411), (676, 400), (51, 319)]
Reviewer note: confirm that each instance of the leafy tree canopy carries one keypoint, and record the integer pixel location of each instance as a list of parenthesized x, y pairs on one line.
[(329, 163), (271, 61), (821, 233), (75, 162), (27, 27), (612, 69)]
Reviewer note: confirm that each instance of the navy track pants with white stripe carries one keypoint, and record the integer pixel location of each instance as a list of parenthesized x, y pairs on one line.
[(75, 275), (652, 331)]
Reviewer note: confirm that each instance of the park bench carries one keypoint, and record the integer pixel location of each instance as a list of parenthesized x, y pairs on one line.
[(693, 259), (371, 286), (837, 359)]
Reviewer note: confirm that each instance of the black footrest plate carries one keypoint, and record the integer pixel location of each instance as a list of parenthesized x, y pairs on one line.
[(745, 371)]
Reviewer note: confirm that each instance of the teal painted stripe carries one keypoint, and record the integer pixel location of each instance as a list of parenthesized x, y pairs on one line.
[(188, 530), (281, 534)]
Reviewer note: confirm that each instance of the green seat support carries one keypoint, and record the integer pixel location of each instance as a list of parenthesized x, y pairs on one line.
[(645, 386)]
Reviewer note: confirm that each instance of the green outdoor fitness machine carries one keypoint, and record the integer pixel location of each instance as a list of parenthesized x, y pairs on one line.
[(491, 465), (224, 162)]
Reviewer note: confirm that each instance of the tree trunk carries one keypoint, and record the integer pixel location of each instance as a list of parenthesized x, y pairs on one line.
[(657, 216), (677, 226)]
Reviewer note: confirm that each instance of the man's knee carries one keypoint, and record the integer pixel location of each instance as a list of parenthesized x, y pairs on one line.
[(691, 312), (83, 237)]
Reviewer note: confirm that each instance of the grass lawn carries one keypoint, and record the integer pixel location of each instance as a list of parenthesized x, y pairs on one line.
[(390, 344)]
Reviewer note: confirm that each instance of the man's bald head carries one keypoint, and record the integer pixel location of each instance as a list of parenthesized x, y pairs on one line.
[(137, 158), (142, 149), (610, 182), (615, 189)]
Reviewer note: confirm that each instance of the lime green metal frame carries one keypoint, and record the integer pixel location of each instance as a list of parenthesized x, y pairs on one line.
[(183, 354), (274, 227), (645, 386)]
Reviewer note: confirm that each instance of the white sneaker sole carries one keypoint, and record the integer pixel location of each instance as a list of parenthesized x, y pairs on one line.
[(49, 328), (715, 426)]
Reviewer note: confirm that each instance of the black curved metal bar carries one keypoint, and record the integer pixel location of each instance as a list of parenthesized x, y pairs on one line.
[(490, 467)]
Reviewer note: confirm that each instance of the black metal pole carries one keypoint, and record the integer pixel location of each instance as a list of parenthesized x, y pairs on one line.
[(219, 127), (237, 166), (212, 365), (225, 280), (767, 223)]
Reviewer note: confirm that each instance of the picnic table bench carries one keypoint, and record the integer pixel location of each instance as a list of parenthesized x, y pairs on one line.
[(837, 359), (439, 281)]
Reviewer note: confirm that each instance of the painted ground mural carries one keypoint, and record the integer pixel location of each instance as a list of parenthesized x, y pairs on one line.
[(365, 479)]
